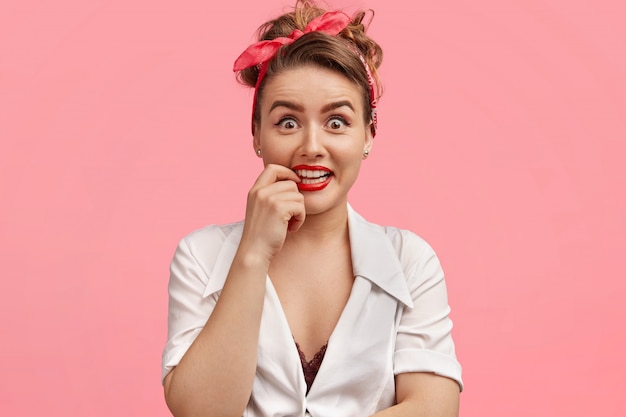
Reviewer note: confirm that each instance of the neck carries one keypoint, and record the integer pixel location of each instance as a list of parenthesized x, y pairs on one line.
[(330, 225)]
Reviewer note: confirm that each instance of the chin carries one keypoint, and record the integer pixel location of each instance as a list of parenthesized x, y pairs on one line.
[(316, 204)]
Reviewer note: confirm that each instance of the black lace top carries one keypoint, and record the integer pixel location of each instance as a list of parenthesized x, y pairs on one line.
[(311, 367)]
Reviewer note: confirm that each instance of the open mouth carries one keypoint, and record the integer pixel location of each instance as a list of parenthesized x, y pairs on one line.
[(313, 178), (309, 176)]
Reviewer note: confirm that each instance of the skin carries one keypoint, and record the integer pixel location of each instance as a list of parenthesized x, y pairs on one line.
[(309, 116), (313, 116)]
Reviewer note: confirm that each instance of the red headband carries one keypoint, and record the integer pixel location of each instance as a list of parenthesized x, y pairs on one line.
[(262, 52)]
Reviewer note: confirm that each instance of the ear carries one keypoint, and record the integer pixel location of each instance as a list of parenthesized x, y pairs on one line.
[(369, 139), (256, 140)]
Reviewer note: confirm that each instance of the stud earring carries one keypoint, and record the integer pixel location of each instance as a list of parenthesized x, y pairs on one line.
[(258, 152), (366, 153)]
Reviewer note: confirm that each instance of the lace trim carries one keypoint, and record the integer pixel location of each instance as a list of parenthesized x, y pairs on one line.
[(311, 367)]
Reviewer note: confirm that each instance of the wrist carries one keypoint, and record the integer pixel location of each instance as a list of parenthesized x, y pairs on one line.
[(252, 259)]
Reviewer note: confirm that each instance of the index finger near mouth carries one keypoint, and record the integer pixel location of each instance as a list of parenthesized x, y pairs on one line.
[(274, 173)]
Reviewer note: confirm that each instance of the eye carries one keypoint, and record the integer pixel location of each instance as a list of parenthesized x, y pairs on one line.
[(287, 123), (337, 123)]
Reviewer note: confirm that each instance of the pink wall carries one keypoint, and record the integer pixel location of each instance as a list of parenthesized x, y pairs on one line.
[(502, 141)]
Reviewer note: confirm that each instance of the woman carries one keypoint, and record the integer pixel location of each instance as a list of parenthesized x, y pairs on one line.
[(305, 308)]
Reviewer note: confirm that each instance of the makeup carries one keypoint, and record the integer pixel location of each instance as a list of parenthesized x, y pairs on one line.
[(313, 177)]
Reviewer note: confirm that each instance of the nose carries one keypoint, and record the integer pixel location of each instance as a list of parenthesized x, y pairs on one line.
[(312, 142)]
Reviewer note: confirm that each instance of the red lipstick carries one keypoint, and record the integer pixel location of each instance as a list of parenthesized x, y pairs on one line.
[(313, 177)]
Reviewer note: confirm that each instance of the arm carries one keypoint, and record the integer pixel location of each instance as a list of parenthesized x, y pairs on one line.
[(215, 375), (421, 394), (428, 376)]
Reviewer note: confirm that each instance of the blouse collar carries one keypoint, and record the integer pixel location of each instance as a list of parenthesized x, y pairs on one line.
[(373, 258)]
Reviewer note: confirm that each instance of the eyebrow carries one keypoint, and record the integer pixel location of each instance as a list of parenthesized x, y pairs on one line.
[(297, 107), (336, 105), (287, 104)]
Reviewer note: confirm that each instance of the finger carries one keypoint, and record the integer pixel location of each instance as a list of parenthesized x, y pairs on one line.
[(295, 223), (297, 218), (281, 190), (274, 173)]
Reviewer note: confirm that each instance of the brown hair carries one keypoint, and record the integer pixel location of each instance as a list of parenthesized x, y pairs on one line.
[(337, 53)]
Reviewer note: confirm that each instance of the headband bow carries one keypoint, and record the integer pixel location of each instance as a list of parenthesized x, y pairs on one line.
[(331, 23)]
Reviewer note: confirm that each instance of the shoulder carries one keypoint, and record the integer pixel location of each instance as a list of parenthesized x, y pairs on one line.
[(419, 261), (411, 248), (211, 236), (404, 241), (408, 242), (400, 250), (203, 246)]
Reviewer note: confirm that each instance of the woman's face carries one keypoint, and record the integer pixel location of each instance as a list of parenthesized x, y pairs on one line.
[(312, 122)]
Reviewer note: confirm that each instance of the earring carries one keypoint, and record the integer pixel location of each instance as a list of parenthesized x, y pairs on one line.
[(258, 152), (366, 153)]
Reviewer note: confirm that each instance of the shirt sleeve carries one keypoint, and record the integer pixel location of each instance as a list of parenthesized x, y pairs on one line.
[(424, 340), (188, 308)]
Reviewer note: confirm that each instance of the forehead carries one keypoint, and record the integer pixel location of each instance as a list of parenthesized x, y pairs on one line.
[(311, 84)]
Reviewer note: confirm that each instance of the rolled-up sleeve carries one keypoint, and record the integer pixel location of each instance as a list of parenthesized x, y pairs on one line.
[(188, 308), (424, 340)]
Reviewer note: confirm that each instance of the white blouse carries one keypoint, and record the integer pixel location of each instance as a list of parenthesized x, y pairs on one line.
[(395, 321)]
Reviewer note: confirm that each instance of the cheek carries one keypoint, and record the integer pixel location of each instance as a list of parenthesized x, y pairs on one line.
[(275, 153), (353, 160), (356, 150)]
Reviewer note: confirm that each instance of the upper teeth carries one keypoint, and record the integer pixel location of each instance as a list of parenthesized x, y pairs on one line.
[(308, 173)]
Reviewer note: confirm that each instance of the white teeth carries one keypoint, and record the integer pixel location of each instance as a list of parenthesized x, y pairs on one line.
[(313, 180), (311, 174)]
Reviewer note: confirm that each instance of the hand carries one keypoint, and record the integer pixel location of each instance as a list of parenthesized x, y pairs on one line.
[(274, 207)]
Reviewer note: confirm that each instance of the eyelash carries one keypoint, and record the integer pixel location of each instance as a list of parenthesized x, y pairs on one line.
[(284, 119), (341, 119)]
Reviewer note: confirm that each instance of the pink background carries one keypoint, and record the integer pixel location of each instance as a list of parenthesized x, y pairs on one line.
[(502, 142)]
